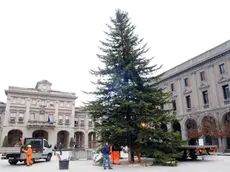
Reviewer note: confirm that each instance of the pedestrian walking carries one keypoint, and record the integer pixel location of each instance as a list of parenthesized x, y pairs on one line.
[(106, 151), (60, 148)]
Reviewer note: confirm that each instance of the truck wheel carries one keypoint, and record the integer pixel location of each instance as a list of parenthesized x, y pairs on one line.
[(49, 156), (13, 162)]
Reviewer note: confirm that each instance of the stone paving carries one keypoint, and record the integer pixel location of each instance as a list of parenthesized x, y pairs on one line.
[(210, 164)]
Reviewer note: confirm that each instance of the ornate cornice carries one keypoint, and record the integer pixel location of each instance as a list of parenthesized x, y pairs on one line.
[(66, 96), (209, 60)]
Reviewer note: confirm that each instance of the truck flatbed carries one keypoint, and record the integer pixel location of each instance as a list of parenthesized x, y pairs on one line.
[(4, 150), (193, 151), (198, 146)]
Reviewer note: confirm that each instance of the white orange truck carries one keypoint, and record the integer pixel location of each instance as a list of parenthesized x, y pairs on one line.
[(40, 146)]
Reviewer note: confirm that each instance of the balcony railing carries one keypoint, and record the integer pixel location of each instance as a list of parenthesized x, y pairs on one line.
[(12, 120), (79, 126), (206, 106), (227, 101), (189, 109), (40, 124), (20, 120)]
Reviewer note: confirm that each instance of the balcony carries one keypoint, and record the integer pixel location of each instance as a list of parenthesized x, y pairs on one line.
[(40, 124), (82, 126)]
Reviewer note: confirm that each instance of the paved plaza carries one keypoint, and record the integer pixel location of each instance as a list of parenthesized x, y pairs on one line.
[(210, 164)]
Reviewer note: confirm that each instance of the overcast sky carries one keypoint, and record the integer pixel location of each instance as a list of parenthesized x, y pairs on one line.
[(58, 40)]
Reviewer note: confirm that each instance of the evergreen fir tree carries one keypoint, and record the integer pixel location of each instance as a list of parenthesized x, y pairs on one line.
[(127, 95)]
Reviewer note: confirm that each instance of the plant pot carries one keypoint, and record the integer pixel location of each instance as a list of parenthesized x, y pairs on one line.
[(63, 164)]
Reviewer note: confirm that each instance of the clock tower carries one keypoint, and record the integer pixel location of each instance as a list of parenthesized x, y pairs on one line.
[(44, 86)]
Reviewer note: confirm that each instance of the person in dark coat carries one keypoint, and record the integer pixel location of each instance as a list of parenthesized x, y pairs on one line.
[(106, 151), (55, 149), (60, 148)]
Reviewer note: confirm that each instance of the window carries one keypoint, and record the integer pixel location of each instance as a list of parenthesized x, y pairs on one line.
[(82, 123), (174, 105), (172, 87), (226, 92), (76, 123), (90, 123), (23, 101), (188, 102), (13, 115), (205, 97), (46, 144), (186, 82), (60, 119), (67, 119), (202, 76), (32, 117), (34, 102), (222, 68), (21, 116)]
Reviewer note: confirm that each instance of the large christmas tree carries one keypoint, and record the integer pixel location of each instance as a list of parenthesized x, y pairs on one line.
[(127, 101)]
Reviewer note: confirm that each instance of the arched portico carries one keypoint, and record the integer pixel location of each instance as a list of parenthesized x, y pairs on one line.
[(79, 139), (209, 130), (176, 127), (92, 140), (40, 134), (13, 137), (192, 131), (226, 126), (63, 137)]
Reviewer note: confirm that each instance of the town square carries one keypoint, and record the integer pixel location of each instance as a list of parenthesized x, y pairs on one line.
[(211, 164), (114, 85)]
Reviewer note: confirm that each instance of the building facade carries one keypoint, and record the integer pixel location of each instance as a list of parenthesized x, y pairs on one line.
[(42, 112), (200, 93)]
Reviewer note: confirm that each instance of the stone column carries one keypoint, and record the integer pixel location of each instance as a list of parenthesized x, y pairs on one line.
[(72, 117), (214, 91), (86, 122), (27, 113), (169, 127), (86, 140), (52, 138), (194, 88), (180, 96), (55, 117), (221, 144), (183, 131), (7, 113), (71, 134)]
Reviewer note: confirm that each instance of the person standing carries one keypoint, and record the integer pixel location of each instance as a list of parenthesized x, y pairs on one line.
[(106, 151), (60, 148)]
